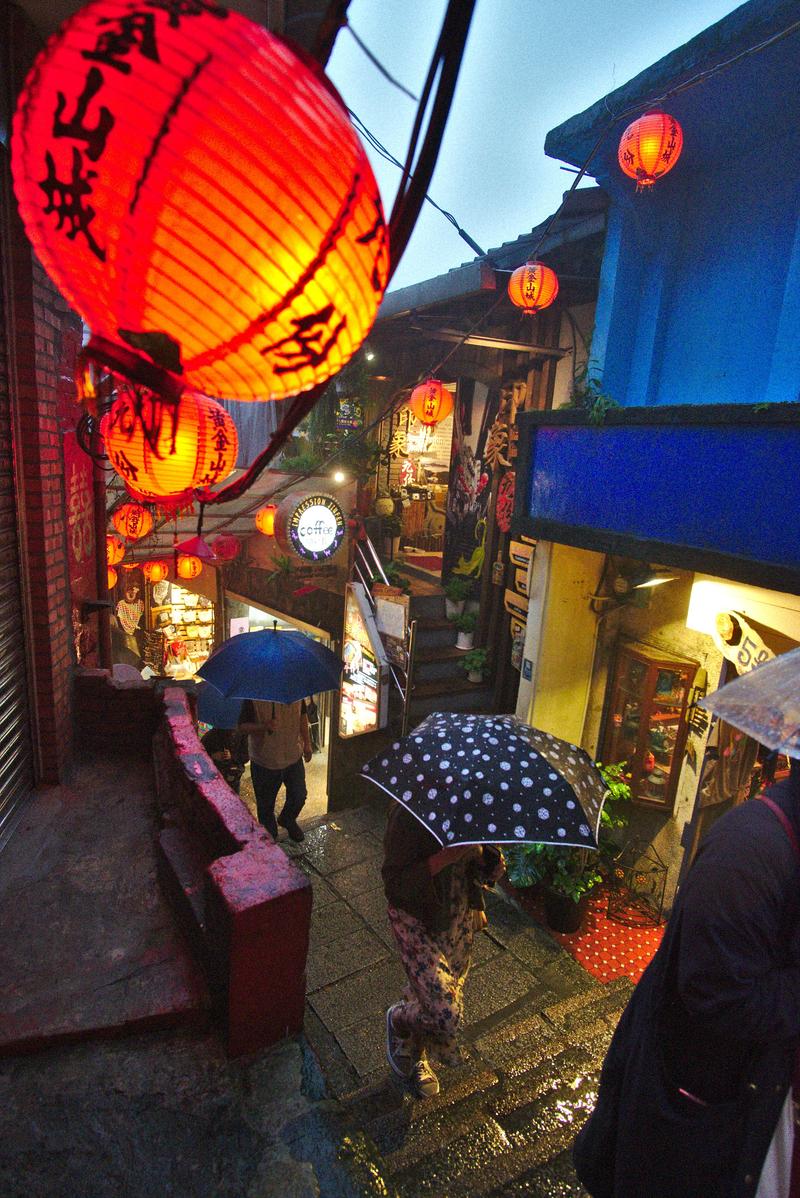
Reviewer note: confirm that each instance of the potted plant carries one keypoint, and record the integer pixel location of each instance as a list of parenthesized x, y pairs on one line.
[(456, 590), (392, 528), (465, 625), (394, 577), (567, 877), (476, 664)]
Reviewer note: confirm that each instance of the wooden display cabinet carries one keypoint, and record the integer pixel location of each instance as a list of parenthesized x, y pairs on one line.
[(646, 721)]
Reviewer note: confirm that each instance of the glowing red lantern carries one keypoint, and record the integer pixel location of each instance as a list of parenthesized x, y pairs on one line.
[(112, 578), (132, 521), (649, 147), (265, 519), (155, 571), (198, 193), (226, 547), (189, 566), (115, 549), (164, 451), (532, 287), (431, 402)]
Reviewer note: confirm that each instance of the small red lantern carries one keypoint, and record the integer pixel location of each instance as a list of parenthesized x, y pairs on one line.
[(265, 519), (431, 402), (132, 521), (112, 578), (189, 566), (163, 451), (226, 547), (198, 193), (115, 549), (532, 287), (155, 571), (649, 147)]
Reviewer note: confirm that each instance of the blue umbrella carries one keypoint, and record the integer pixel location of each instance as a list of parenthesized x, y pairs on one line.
[(281, 666), (214, 709)]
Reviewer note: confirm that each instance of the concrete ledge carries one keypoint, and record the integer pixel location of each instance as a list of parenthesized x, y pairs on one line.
[(248, 904)]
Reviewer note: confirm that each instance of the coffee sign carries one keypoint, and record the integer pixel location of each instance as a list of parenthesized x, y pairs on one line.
[(311, 525)]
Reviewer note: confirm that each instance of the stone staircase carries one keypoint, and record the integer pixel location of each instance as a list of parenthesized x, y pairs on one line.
[(502, 1126), (440, 682)]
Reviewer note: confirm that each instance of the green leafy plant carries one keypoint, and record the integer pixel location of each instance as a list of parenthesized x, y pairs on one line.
[(587, 395), (302, 463), (394, 577), (282, 567), (457, 588), (467, 621), (392, 526), (570, 871), (476, 661)]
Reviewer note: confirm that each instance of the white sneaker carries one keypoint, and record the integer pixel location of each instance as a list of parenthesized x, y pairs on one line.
[(426, 1083), (399, 1049)]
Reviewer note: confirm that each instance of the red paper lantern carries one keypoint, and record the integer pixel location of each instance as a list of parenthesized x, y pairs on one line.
[(649, 147), (132, 521), (265, 519), (431, 402), (115, 549), (165, 451), (189, 566), (112, 578), (155, 571), (198, 193), (532, 287), (226, 547)]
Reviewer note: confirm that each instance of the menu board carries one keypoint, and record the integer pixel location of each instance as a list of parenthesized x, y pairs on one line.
[(364, 694), (391, 618)]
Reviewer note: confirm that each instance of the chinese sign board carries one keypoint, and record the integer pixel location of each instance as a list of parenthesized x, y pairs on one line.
[(364, 694)]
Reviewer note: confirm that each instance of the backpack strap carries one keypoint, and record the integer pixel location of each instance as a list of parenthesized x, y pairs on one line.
[(784, 821)]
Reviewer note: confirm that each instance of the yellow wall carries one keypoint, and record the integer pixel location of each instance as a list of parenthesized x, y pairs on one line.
[(567, 644)]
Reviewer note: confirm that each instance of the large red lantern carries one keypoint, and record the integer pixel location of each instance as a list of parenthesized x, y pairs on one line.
[(431, 402), (132, 521), (155, 571), (226, 547), (265, 519), (112, 578), (532, 287), (649, 147), (115, 549), (189, 566), (165, 451), (199, 195)]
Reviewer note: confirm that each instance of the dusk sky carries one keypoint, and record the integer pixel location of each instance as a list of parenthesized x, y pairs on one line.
[(528, 66)]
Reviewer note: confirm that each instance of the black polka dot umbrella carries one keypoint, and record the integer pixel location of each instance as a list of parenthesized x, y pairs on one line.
[(477, 779)]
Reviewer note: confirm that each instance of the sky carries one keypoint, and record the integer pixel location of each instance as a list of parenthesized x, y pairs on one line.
[(528, 66)]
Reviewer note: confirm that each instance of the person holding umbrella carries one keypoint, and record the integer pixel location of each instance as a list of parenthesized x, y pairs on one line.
[(463, 784), (278, 742)]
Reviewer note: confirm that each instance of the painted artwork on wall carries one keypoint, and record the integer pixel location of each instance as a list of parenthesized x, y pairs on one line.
[(470, 480)]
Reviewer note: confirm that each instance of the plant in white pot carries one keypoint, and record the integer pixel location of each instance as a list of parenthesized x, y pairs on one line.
[(456, 590), (465, 624), (476, 663)]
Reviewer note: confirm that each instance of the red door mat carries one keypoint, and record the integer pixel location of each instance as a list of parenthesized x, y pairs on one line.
[(605, 948)]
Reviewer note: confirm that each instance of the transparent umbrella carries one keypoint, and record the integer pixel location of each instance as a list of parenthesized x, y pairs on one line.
[(764, 703)]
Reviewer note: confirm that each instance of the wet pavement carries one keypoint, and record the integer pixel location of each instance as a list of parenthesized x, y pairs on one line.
[(88, 948)]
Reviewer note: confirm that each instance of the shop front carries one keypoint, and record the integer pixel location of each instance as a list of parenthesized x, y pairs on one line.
[(640, 602)]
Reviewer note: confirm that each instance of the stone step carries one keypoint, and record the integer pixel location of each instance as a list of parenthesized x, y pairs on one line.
[(439, 663), (435, 633), (449, 695)]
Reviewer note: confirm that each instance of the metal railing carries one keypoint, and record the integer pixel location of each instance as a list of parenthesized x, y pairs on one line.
[(366, 567)]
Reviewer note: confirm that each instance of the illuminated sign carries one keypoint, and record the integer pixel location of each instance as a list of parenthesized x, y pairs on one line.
[(312, 526), (364, 692)]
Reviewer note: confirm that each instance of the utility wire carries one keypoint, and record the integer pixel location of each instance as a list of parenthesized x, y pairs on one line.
[(377, 63)]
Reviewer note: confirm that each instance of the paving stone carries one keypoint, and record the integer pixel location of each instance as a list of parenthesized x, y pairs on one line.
[(339, 1075), (371, 906), (364, 995), (493, 986), (329, 961), (357, 879), (323, 894), (328, 850), (364, 1045), (333, 921), (515, 1047), (565, 977), (485, 949)]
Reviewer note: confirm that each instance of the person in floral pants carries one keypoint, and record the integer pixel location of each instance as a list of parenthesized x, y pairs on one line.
[(435, 904)]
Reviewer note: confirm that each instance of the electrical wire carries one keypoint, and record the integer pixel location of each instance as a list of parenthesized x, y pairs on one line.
[(376, 62)]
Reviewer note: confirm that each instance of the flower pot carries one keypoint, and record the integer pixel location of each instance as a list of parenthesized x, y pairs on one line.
[(562, 913), (475, 676), (464, 640), (453, 607)]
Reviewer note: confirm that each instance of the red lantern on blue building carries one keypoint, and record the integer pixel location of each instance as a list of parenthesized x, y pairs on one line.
[(649, 147)]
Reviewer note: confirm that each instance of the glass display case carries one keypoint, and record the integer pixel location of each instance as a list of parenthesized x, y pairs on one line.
[(646, 721)]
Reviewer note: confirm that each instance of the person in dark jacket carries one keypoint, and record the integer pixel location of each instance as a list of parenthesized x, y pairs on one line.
[(435, 905), (695, 1093)]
